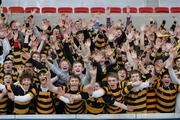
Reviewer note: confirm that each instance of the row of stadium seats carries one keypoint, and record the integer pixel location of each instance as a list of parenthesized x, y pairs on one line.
[(17, 9)]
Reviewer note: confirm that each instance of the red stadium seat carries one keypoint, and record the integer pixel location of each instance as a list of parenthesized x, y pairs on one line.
[(161, 10), (81, 10), (16, 9), (175, 10), (97, 10), (146, 10), (48, 10), (30, 9), (65, 10), (132, 10), (114, 9)]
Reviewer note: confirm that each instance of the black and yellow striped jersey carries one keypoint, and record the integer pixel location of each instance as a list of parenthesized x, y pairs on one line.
[(44, 102), (151, 97), (137, 100), (3, 105), (100, 41), (166, 97), (151, 100), (96, 105), (119, 94), (17, 53), (17, 57), (78, 106), (21, 107)]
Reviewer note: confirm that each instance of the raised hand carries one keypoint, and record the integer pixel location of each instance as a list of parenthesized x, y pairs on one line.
[(109, 51), (134, 55), (44, 24), (136, 84), (60, 91), (29, 32), (88, 43), (48, 75), (20, 69), (26, 55), (97, 57), (11, 95), (93, 71), (142, 28), (89, 89)]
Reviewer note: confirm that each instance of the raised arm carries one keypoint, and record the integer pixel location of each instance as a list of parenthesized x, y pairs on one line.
[(51, 87), (173, 76)]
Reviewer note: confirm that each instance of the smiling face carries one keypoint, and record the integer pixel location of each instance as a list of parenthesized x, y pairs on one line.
[(43, 58), (128, 66), (77, 68), (43, 78), (74, 83), (26, 82), (166, 80), (177, 62), (112, 82), (158, 64), (8, 65), (28, 67), (8, 79), (135, 77), (65, 66), (150, 68), (122, 74), (36, 56), (97, 86)]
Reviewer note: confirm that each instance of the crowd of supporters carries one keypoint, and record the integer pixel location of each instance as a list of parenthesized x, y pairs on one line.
[(86, 67)]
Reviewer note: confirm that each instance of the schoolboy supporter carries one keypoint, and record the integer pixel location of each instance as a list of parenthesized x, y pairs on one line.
[(151, 95), (124, 88), (118, 91), (148, 72), (9, 68), (173, 72), (62, 70), (166, 93), (97, 105), (45, 100), (72, 88), (77, 69), (5, 102), (137, 98), (4, 45), (177, 63), (22, 88)]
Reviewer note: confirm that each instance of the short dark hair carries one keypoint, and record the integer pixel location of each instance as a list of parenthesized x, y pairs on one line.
[(25, 75), (113, 74), (75, 76), (165, 72), (135, 72), (7, 74)]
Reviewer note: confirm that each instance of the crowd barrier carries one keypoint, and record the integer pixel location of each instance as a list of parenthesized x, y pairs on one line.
[(152, 116)]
